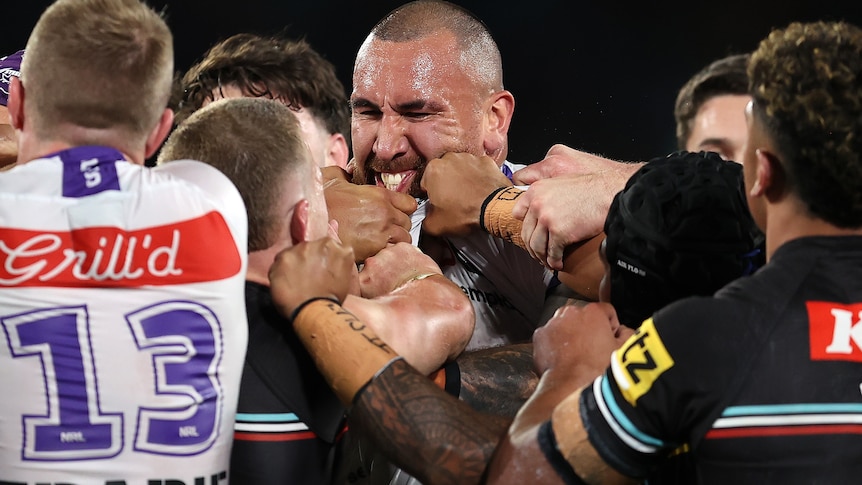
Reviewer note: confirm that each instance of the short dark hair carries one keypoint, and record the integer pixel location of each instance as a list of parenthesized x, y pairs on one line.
[(726, 76), (272, 67), (681, 227), (806, 84)]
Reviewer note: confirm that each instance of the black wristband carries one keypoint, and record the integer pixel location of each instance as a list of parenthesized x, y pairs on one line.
[(485, 204), (548, 445), (306, 302)]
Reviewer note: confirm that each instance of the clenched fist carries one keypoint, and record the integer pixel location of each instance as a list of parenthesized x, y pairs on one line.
[(320, 268)]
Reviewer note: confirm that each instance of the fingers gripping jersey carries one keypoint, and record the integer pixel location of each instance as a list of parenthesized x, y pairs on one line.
[(124, 328)]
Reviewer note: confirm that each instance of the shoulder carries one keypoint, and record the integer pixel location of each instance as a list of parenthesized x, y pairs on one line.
[(206, 177), (209, 181)]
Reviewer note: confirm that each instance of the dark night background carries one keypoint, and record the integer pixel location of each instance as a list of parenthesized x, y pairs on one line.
[(601, 76)]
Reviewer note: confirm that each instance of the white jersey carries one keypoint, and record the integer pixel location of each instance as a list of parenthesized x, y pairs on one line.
[(506, 286), (123, 319)]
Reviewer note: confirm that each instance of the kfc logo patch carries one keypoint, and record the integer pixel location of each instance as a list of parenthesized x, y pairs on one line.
[(835, 331)]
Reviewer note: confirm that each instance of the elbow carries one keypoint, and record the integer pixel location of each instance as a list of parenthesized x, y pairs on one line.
[(461, 326)]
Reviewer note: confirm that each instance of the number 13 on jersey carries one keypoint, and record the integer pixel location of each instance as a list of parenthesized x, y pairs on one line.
[(183, 341)]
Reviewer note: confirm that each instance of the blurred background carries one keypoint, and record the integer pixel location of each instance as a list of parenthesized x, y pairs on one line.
[(601, 76)]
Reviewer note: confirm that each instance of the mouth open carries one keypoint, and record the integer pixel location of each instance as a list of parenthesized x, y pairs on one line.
[(396, 182)]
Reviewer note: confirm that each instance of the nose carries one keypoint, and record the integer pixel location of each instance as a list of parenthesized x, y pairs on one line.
[(391, 141)]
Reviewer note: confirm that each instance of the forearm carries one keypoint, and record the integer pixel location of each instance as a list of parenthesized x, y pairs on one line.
[(582, 267), (553, 388), (427, 321), (498, 380), (521, 457), (346, 351), (423, 430)]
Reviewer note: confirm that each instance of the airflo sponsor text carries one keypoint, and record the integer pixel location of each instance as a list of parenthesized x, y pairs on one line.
[(214, 479)]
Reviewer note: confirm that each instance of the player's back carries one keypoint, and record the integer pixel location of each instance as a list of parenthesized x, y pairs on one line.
[(124, 328)]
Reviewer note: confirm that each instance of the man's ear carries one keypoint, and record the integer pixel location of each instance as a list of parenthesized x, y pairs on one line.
[(159, 133), (336, 150), (15, 103), (299, 229), (498, 116), (770, 179)]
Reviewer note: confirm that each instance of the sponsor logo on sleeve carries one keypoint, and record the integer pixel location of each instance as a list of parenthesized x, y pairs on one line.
[(640, 362), (835, 331)]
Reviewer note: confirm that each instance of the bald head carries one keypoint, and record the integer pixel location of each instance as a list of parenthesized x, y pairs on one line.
[(479, 56)]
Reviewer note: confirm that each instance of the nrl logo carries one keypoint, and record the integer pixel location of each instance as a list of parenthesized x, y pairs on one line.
[(6, 78)]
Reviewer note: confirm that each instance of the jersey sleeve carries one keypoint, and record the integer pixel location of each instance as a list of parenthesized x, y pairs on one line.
[(666, 385)]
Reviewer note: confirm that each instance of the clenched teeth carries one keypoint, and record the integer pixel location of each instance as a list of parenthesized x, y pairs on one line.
[(391, 180)]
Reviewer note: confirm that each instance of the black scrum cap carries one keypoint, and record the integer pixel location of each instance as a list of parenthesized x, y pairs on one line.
[(681, 227)]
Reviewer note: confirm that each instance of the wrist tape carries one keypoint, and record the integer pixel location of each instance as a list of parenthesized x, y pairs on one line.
[(496, 215)]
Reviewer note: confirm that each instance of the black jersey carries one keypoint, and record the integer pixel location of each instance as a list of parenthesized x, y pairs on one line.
[(288, 419), (761, 381)]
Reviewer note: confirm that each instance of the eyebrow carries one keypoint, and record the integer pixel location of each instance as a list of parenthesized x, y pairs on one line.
[(415, 105), (362, 103), (714, 141)]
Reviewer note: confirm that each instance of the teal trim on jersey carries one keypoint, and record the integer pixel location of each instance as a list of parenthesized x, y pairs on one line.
[(800, 408), (623, 420), (266, 418)]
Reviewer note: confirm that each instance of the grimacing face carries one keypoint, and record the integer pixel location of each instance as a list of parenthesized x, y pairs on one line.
[(411, 102)]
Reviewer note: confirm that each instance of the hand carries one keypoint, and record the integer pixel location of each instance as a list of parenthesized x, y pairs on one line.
[(562, 160), (333, 172), (579, 341), (568, 200), (392, 267), (457, 184), (320, 268), (557, 213), (368, 217)]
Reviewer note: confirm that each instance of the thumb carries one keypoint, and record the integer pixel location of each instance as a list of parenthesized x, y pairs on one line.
[(403, 202)]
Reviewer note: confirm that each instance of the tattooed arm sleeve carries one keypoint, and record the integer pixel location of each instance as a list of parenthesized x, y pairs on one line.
[(498, 380), (424, 430)]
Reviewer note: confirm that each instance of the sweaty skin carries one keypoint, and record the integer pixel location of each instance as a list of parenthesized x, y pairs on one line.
[(410, 106)]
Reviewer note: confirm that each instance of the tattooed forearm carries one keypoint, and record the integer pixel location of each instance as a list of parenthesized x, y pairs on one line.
[(498, 380), (423, 430)]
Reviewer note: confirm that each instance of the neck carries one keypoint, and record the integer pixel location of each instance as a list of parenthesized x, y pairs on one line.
[(259, 263), (30, 147), (789, 221)]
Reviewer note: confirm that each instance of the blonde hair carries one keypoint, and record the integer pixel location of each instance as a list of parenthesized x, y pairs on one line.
[(256, 143), (98, 64)]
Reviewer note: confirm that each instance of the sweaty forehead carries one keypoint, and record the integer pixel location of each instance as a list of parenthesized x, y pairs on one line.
[(420, 68)]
